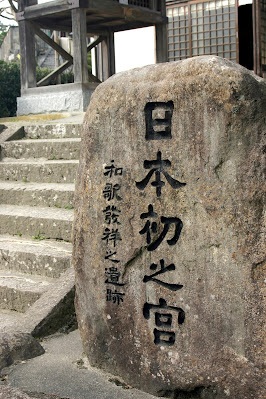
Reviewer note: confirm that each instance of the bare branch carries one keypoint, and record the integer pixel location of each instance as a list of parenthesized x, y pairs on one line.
[(10, 19), (13, 8)]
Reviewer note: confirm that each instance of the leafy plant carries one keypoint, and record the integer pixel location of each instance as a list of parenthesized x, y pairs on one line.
[(38, 236), (9, 88)]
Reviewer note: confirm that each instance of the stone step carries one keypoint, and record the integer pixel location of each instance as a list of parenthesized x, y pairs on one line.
[(39, 171), (36, 222), (37, 194), (46, 258), (52, 131), (19, 291), (9, 318), (50, 149)]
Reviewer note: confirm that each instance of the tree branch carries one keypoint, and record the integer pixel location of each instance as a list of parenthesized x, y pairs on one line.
[(10, 19), (13, 8)]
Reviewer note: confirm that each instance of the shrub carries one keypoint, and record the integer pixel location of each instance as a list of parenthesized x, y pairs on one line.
[(10, 85), (9, 88)]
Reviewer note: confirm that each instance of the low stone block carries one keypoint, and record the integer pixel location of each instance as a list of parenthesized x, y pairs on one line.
[(168, 243), (72, 97)]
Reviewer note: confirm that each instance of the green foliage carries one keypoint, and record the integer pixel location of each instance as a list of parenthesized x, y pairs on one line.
[(2, 36), (10, 84), (89, 61), (3, 32), (9, 88), (66, 77), (39, 236)]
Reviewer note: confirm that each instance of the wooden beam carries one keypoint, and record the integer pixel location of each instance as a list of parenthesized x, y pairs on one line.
[(103, 21), (105, 8), (106, 57), (26, 3), (52, 25), (51, 42), (39, 10), (44, 81), (27, 55), (128, 12), (79, 30), (256, 11), (95, 43), (161, 38)]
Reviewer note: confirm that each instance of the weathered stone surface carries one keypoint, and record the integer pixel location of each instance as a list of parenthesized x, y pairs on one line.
[(49, 131), (39, 171), (7, 392), (66, 148), (35, 221), (208, 268), (41, 258), (62, 98), (37, 194), (19, 346)]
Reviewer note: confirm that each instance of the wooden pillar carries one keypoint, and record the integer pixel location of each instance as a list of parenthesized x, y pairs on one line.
[(56, 55), (27, 55), (161, 37), (27, 48), (106, 57), (79, 31), (256, 10)]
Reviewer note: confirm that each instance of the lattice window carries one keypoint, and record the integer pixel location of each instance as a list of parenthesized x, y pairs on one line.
[(202, 28), (178, 33)]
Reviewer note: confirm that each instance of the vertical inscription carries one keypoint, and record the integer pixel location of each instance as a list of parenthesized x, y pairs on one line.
[(111, 235), (158, 118)]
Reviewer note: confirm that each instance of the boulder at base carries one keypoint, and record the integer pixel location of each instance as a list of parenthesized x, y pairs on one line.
[(168, 234)]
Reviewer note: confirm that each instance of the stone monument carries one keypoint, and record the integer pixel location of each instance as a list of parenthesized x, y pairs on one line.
[(168, 233)]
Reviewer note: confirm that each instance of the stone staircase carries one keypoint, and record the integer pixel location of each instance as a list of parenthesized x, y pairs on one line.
[(37, 176)]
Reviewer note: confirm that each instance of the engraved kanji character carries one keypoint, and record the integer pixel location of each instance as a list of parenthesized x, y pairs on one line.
[(111, 235), (108, 256), (115, 297), (153, 227), (163, 269), (157, 166), (111, 191), (111, 169), (111, 214), (163, 320), (113, 276), (149, 227), (158, 117)]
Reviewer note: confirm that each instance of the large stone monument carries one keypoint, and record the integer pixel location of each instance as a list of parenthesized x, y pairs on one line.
[(168, 234)]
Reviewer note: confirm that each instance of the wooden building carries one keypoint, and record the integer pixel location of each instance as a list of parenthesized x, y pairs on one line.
[(82, 18), (218, 27)]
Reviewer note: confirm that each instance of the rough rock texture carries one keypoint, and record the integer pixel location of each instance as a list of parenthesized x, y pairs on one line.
[(180, 314), (18, 346), (6, 392)]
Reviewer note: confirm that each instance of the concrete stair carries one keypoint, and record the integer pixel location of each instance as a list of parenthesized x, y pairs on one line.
[(38, 170), (37, 194), (37, 176), (51, 149)]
